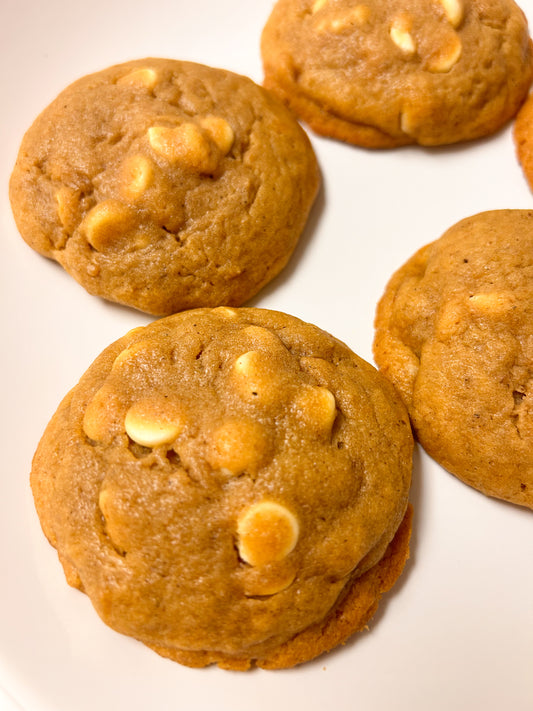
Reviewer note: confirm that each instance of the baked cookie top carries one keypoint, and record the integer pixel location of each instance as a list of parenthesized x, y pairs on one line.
[(219, 480), (165, 185), (382, 74), (454, 333)]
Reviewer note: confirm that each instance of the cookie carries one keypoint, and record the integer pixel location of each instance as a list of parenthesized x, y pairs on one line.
[(454, 333), (383, 74), (228, 486), (165, 185), (523, 137)]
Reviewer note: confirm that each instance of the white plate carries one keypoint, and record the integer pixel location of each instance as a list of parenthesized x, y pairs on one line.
[(457, 631)]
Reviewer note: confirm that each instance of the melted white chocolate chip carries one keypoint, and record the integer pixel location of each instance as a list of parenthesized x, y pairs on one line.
[(318, 5), (267, 532), (255, 379), (153, 421), (140, 350), (144, 76), (262, 337), (401, 36), (137, 176), (99, 415), (454, 11), (341, 21), (185, 144), (106, 224), (67, 201), (317, 408), (447, 56), (219, 131), (238, 445), (225, 311), (493, 303)]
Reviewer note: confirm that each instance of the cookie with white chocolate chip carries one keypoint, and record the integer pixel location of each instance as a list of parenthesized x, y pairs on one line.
[(165, 185), (229, 486), (384, 74), (454, 333)]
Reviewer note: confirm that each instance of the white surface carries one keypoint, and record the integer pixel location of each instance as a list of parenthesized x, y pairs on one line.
[(457, 631)]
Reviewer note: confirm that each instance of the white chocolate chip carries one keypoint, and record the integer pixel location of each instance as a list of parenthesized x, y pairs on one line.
[(403, 40), (447, 56), (401, 36), (451, 319), (238, 445), (153, 421), (263, 337), (185, 144), (106, 224), (454, 11), (135, 331), (256, 379), (257, 332), (245, 363), (225, 311), (137, 176), (67, 203), (267, 532), (317, 409), (406, 123), (103, 500), (493, 303), (355, 16), (219, 131), (145, 76), (318, 5), (100, 415), (142, 350)]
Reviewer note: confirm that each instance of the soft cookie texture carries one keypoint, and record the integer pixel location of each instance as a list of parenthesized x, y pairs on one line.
[(454, 333), (523, 136), (165, 185), (229, 486), (382, 74)]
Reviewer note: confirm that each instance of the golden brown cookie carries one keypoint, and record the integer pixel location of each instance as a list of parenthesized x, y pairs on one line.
[(454, 333), (165, 185), (523, 136), (228, 486), (382, 74)]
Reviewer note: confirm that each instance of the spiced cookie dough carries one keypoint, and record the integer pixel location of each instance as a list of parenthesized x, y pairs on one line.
[(383, 74), (229, 486), (454, 333), (165, 185)]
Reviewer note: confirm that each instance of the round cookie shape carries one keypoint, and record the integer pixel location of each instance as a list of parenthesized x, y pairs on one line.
[(165, 185), (384, 74), (454, 333), (229, 486)]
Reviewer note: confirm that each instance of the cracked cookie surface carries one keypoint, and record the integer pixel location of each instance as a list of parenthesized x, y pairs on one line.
[(229, 486), (165, 185), (382, 74), (454, 333)]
